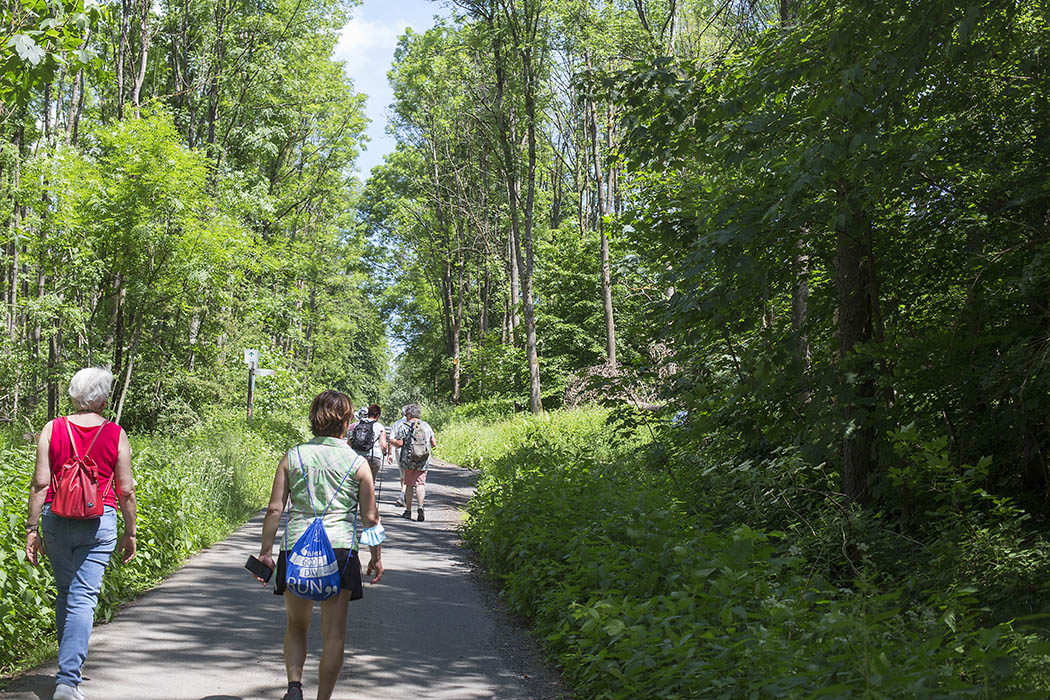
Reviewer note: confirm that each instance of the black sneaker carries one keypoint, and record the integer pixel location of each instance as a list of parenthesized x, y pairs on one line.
[(293, 694), (419, 515), (407, 513)]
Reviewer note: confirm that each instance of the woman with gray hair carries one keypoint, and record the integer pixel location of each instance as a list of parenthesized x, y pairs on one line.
[(415, 465), (79, 548)]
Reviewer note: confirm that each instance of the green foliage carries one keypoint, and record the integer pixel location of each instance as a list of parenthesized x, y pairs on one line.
[(38, 39), (890, 131), (640, 595), (192, 488), (202, 203)]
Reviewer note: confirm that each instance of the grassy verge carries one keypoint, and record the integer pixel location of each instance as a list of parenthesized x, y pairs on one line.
[(638, 592), (193, 489)]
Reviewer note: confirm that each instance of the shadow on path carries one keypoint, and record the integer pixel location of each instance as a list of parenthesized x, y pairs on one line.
[(428, 630)]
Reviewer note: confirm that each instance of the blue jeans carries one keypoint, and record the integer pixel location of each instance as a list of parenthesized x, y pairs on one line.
[(79, 552)]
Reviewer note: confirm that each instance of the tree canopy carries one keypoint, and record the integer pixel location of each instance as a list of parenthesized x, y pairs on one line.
[(178, 186)]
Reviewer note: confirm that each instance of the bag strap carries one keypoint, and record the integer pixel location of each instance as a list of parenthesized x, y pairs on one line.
[(73, 447), (73, 444)]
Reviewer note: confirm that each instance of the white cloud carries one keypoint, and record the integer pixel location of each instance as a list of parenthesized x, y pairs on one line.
[(367, 46)]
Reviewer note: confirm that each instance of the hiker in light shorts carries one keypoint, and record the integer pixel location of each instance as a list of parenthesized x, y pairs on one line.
[(415, 469)]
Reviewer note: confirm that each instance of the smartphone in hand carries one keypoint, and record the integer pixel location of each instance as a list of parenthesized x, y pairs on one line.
[(258, 568)]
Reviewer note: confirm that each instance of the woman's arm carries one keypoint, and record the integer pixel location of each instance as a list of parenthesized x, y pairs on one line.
[(366, 495), (37, 493), (126, 497), (278, 497), (370, 518)]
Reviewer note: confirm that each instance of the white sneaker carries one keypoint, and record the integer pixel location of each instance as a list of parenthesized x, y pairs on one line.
[(67, 692)]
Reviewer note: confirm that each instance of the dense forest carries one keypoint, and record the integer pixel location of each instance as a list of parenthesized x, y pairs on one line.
[(806, 224), (176, 187)]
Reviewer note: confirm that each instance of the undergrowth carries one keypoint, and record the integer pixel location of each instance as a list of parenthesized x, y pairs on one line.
[(652, 571), (192, 489)]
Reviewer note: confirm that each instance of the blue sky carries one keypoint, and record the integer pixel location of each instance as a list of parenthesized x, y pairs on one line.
[(367, 45)]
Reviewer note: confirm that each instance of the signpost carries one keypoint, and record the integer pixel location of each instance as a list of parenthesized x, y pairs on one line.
[(251, 358)]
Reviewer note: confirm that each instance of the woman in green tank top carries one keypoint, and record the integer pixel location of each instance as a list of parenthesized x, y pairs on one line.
[(308, 478)]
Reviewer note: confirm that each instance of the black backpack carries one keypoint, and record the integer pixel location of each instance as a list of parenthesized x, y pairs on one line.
[(362, 437)]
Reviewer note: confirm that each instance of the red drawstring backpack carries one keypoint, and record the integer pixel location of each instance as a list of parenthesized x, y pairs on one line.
[(76, 483)]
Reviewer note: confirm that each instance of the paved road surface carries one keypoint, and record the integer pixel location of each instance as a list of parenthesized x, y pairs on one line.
[(430, 630)]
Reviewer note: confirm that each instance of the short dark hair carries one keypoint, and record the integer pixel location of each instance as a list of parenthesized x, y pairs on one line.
[(329, 413), (373, 411)]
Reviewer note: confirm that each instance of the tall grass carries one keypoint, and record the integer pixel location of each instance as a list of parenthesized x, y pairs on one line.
[(479, 442)]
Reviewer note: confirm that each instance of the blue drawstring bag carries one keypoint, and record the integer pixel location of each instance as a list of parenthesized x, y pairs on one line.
[(312, 570)]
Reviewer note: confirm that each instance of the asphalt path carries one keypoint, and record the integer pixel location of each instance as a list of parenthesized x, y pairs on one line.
[(432, 629)]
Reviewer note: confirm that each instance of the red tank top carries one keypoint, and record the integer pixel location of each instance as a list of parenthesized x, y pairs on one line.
[(104, 452)]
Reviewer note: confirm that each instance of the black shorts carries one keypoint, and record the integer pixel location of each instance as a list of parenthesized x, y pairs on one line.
[(351, 579)]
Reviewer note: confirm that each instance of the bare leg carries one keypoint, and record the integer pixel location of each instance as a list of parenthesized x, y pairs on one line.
[(409, 490), (299, 611), (421, 491), (333, 639)]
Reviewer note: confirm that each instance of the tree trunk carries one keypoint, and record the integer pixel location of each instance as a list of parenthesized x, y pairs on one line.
[(515, 285), (131, 365), (535, 402), (457, 325), (213, 87), (54, 360), (144, 29), (486, 303), (76, 107), (122, 49), (16, 223), (800, 307), (854, 280), (118, 323), (504, 328), (603, 188)]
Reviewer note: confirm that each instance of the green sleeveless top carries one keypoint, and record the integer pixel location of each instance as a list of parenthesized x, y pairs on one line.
[(327, 461)]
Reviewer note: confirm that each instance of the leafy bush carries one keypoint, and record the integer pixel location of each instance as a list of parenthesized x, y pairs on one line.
[(192, 490), (639, 594)]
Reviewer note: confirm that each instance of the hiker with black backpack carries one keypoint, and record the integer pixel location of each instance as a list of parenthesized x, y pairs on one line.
[(415, 440), (83, 475), (322, 481), (367, 437)]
